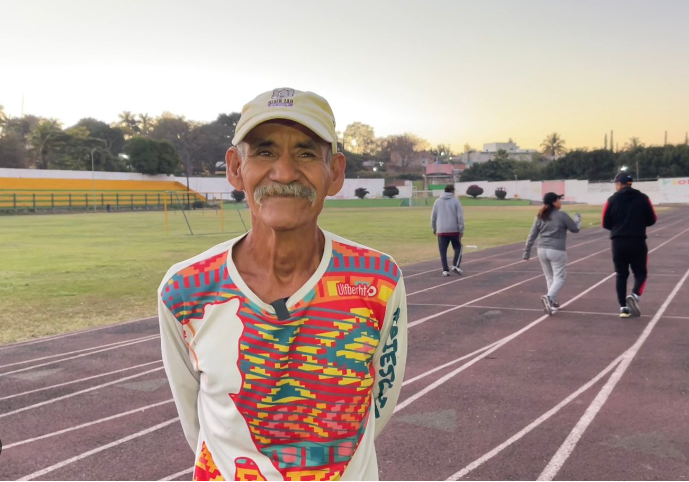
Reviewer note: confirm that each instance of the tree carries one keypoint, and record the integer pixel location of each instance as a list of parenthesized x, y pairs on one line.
[(43, 140), (180, 133), (467, 148), (390, 191), (474, 191), (442, 152), (4, 120), (12, 152), (148, 156), (501, 155), (500, 193), (129, 124), (209, 142), (553, 145), (113, 137), (360, 192), (145, 125), (633, 143), (404, 145), (360, 138)]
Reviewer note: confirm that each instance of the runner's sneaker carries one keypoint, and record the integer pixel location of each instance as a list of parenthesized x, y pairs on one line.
[(555, 304), (446, 273), (633, 304), (457, 270), (547, 307), (625, 313)]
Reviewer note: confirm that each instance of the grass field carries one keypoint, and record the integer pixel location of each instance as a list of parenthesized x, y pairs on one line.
[(66, 272)]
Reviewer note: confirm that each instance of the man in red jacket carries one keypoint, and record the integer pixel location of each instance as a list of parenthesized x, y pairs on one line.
[(627, 214)]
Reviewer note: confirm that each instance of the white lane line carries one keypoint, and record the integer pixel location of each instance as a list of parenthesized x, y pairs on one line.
[(88, 424), (512, 251), (21, 344), (73, 352), (179, 474), (499, 268), (570, 443), (430, 317), (432, 371), (507, 339), (150, 338), (503, 308), (76, 458), (522, 261), (498, 344), (74, 394), (516, 437), (80, 380)]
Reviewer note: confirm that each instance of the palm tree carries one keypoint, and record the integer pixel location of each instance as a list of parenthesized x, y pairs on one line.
[(43, 138), (4, 120), (146, 124), (633, 143), (553, 146), (129, 124)]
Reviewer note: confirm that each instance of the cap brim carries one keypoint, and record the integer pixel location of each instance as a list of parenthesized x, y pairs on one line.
[(316, 127)]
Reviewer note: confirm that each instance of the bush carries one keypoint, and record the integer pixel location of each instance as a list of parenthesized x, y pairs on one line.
[(390, 191), (474, 191), (500, 193), (360, 192), (238, 196)]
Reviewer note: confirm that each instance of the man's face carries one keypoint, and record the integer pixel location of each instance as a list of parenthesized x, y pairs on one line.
[(618, 186), (285, 174)]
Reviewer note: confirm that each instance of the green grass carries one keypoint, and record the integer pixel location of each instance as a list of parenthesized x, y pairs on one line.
[(66, 272)]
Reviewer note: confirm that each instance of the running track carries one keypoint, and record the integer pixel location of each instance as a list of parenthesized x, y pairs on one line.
[(493, 390)]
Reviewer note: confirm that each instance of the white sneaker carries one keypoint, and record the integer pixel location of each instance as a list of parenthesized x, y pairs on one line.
[(457, 270), (546, 305), (446, 273), (633, 304)]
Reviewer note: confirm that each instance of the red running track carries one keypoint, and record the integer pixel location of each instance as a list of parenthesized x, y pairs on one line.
[(494, 389)]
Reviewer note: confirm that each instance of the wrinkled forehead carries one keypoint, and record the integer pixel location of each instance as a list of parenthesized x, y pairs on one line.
[(284, 133)]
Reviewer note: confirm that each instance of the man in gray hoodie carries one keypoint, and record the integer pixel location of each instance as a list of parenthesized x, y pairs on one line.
[(447, 221)]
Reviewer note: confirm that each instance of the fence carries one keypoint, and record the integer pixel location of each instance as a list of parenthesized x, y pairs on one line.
[(41, 202)]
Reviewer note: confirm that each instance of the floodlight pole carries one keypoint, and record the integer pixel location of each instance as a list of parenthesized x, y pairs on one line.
[(93, 179)]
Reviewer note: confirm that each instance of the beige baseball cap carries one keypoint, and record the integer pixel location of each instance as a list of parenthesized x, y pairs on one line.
[(308, 109)]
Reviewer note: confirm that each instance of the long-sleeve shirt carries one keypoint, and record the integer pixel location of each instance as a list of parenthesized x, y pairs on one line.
[(301, 397), (447, 216), (628, 213), (551, 233)]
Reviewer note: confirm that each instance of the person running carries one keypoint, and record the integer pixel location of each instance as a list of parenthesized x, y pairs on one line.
[(627, 214), (551, 226), (447, 221)]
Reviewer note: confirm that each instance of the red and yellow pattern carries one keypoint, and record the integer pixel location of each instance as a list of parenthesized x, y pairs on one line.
[(205, 468)]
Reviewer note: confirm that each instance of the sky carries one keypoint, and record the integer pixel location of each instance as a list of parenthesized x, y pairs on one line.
[(450, 71)]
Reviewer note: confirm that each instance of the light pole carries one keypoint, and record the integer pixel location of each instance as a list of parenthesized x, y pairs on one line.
[(93, 179)]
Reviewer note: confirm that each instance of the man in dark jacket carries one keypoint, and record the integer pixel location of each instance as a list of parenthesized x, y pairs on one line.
[(627, 214)]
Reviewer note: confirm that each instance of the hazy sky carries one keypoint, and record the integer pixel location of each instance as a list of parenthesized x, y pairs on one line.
[(449, 71)]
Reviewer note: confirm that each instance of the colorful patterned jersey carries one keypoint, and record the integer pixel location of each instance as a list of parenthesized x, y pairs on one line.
[(300, 396)]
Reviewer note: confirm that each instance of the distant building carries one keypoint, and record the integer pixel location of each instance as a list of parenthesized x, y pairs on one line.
[(490, 150), (437, 173)]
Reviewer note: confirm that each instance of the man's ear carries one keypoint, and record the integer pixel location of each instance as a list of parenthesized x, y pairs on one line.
[(233, 167), (337, 173)]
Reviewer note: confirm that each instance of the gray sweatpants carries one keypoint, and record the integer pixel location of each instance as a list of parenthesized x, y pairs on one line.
[(554, 263)]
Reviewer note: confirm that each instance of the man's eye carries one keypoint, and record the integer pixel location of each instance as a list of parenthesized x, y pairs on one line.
[(307, 154), (264, 153)]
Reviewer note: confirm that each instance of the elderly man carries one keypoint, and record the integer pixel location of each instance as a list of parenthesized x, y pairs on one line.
[(285, 347)]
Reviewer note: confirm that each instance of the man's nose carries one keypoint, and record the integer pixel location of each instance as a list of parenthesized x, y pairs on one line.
[(284, 170)]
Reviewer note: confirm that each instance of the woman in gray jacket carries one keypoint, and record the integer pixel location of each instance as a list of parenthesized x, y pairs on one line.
[(551, 226)]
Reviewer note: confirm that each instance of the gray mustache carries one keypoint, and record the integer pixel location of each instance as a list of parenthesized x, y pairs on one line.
[(293, 189)]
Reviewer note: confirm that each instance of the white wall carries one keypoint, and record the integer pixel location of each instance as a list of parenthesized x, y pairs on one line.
[(662, 191)]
